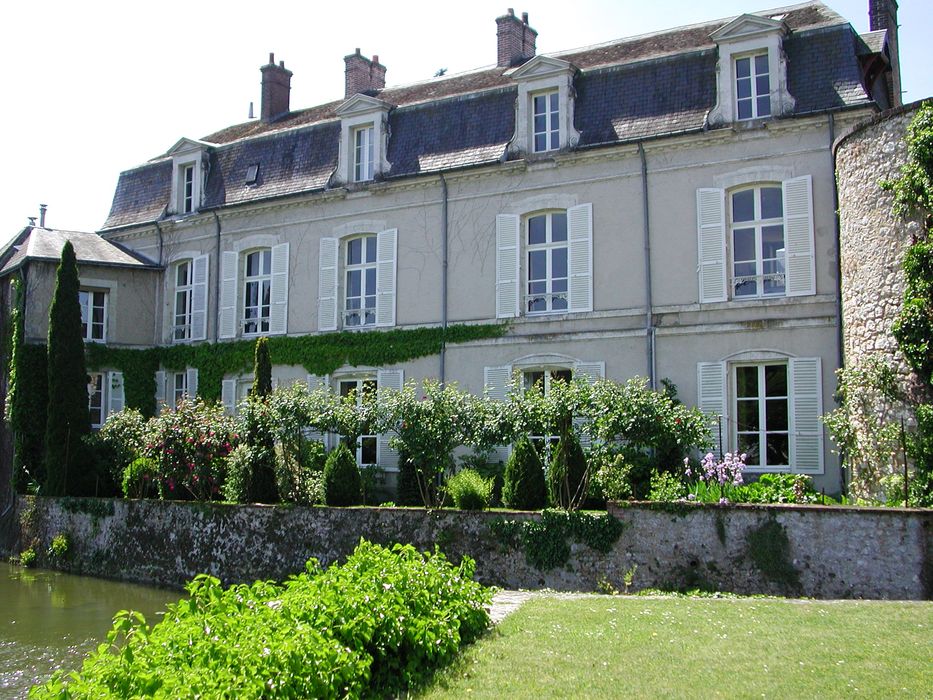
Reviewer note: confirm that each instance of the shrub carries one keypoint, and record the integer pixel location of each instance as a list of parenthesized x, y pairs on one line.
[(239, 472), (407, 491), (567, 475), (60, 545), (666, 487), (716, 481), (523, 484), (27, 558), (779, 488), (342, 480), (122, 439), (469, 490), (300, 473), (612, 481), (140, 479), (372, 627)]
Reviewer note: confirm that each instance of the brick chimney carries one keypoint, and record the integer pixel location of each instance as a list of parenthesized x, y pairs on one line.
[(882, 14), (276, 86), (363, 75), (516, 40)]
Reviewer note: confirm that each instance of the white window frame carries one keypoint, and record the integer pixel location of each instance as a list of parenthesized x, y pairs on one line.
[(752, 78), (188, 290), (263, 281), (97, 387), (179, 387), (186, 180), (544, 443), (363, 153), (359, 381), (86, 298), (551, 131), (548, 247), (757, 224), (761, 400), (366, 315), (544, 75), (358, 114)]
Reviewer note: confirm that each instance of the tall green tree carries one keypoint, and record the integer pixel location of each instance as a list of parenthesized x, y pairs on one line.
[(259, 433), (262, 369), (66, 463)]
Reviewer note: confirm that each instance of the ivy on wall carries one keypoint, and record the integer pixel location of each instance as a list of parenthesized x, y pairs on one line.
[(318, 354)]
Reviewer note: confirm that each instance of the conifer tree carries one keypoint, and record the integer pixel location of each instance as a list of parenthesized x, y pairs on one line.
[(263, 488), (523, 484), (67, 467), (262, 369)]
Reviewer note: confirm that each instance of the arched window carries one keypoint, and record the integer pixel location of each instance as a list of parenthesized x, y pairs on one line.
[(757, 239)]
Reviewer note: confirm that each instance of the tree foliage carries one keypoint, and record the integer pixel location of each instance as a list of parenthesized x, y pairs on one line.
[(342, 480), (523, 485)]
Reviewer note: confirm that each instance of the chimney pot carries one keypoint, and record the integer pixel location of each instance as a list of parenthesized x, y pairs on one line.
[(511, 12), (363, 74), (42, 210), (524, 18), (276, 87), (271, 59), (32, 221), (515, 38)]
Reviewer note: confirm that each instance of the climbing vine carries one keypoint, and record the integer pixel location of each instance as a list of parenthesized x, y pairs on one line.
[(318, 354)]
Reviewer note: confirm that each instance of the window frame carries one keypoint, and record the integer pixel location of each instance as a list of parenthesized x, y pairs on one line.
[(87, 307), (552, 120), (549, 246), (363, 268), (363, 161), (188, 290), (761, 399), (758, 224), (264, 282), (359, 383), (755, 97), (545, 443), (97, 380), (179, 387)]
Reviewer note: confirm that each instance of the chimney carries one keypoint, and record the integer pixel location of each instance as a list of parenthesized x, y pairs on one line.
[(363, 75), (516, 40), (882, 14), (42, 209), (276, 85)]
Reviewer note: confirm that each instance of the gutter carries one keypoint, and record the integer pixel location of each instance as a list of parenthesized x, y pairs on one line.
[(649, 316), (444, 266)]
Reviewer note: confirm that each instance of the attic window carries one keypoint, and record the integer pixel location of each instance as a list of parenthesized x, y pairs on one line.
[(252, 174), (778, 18)]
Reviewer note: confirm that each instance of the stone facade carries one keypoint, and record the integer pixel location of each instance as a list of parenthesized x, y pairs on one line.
[(872, 240), (798, 550)]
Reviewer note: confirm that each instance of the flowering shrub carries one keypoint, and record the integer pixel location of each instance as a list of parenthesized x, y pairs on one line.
[(188, 446), (715, 480)]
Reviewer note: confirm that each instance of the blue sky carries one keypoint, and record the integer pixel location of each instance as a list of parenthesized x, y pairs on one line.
[(90, 89)]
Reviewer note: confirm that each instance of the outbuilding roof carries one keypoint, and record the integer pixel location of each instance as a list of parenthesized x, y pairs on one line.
[(35, 243)]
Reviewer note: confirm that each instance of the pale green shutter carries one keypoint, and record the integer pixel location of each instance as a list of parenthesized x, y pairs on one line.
[(798, 237), (507, 265), (580, 262), (327, 285), (711, 399), (388, 379), (806, 443), (228, 295), (278, 313), (386, 249), (711, 245)]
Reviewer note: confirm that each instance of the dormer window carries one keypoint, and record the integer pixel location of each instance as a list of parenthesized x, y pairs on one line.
[(188, 168), (364, 132), (544, 107), (187, 184), (363, 153), (752, 87), (752, 71)]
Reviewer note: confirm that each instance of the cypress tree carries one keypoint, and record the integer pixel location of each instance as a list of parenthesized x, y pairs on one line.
[(66, 465), (263, 488), (567, 473), (262, 369), (523, 484)]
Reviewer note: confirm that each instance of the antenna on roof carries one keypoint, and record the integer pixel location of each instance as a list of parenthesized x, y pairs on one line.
[(251, 111)]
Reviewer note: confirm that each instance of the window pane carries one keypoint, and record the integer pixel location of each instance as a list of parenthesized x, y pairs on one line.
[(564, 375), (775, 380), (371, 249), (745, 109), (182, 275), (559, 262), (540, 142), (747, 415), (355, 251), (554, 100), (368, 450), (534, 378), (252, 294), (267, 262), (266, 296), (748, 445), (369, 387), (771, 204), (742, 67), (743, 88), (558, 227), (537, 265), (761, 64), (743, 206), (353, 283), (539, 104), (778, 450), (746, 382), (762, 85), (776, 414), (772, 242), (537, 230), (346, 388), (764, 106), (743, 245), (370, 280), (540, 123)]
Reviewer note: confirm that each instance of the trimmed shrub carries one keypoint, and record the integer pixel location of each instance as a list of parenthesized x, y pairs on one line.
[(567, 476), (140, 479), (523, 484), (469, 490), (342, 480)]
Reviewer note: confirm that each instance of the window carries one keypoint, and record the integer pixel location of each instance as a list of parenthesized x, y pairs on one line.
[(758, 253), (547, 263), (762, 416), (179, 387), (546, 121), (363, 389), (360, 266), (95, 398), (181, 330), (93, 315), (187, 194), (752, 87), (542, 380), (363, 153), (257, 291)]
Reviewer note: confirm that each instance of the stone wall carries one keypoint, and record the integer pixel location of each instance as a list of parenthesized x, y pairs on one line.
[(872, 241), (796, 550)]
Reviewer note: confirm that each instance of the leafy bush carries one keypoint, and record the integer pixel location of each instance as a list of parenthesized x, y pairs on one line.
[(140, 479), (469, 490), (666, 487), (300, 473), (408, 493), (61, 543), (239, 471), (256, 423), (123, 439), (371, 627), (342, 481), (612, 481), (780, 488), (920, 449), (27, 558), (567, 476), (523, 484)]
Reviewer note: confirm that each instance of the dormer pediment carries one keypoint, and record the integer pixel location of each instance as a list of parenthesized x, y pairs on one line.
[(746, 26), (542, 67), (361, 104), (186, 145)]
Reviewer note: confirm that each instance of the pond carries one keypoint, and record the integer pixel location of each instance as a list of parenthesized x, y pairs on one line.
[(51, 620)]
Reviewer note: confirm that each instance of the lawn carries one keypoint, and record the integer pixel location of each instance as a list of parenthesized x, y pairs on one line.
[(619, 647)]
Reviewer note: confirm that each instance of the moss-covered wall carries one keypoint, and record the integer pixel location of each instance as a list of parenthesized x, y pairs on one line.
[(792, 550)]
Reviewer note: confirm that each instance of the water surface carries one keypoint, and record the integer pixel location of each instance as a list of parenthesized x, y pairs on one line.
[(50, 620)]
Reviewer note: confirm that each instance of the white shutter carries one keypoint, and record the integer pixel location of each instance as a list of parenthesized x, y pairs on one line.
[(316, 382), (192, 382), (386, 249), (711, 399), (591, 372), (278, 313), (507, 278), (806, 443), (115, 395), (327, 285), (228, 294), (580, 254), (388, 379), (798, 237), (498, 382), (200, 274), (228, 395), (711, 244), (160, 390)]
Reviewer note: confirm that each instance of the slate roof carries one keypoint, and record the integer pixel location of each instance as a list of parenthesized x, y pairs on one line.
[(636, 88), (34, 243)]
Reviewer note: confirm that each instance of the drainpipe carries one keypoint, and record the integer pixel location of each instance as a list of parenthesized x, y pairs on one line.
[(649, 317), (840, 338), (156, 317), (444, 233), (217, 279)]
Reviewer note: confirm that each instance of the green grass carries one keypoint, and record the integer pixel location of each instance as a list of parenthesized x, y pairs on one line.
[(631, 647)]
